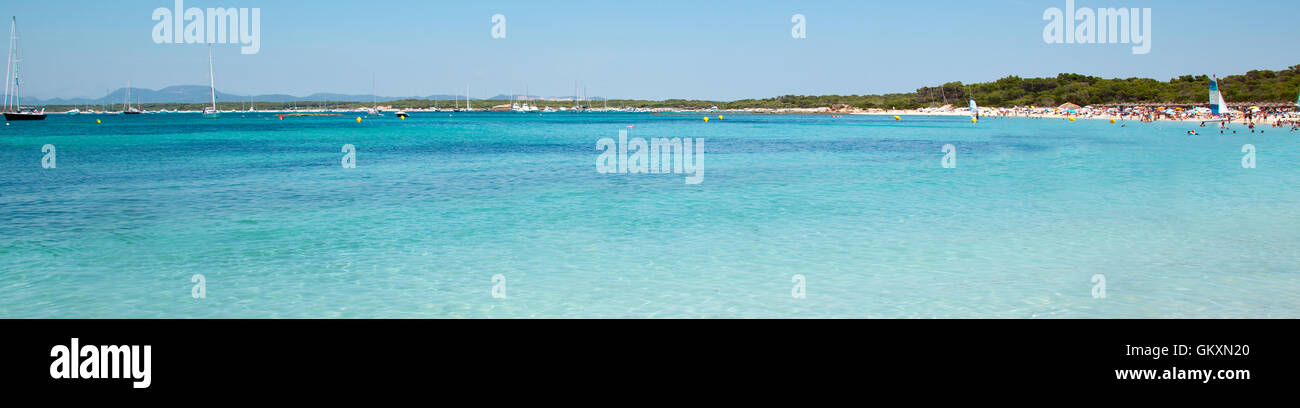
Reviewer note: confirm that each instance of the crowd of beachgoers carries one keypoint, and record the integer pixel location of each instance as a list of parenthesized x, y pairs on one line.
[(1253, 117)]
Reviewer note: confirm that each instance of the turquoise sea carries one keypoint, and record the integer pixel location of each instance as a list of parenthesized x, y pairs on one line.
[(437, 205)]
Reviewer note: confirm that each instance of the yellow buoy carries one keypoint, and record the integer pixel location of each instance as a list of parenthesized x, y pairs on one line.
[(358, 119), (706, 119), (1112, 121), (719, 117), (1071, 119), (98, 121), (974, 120), (897, 118), (403, 117)]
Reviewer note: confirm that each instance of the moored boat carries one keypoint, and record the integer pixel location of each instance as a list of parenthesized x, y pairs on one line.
[(25, 114), (18, 112), (211, 112)]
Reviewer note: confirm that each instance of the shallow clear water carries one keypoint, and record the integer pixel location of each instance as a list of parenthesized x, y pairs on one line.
[(438, 205)]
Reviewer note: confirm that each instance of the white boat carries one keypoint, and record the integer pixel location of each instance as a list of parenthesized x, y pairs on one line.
[(74, 111), (129, 110), (401, 114), (374, 100), (468, 108), (1218, 105), (13, 107), (525, 106), (211, 112)]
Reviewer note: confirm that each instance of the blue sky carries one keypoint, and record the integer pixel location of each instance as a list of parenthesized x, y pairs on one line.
[(658, 49)]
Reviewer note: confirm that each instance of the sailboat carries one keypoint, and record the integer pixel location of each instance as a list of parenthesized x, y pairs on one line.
[(129, 110), (18, 112), (468, 108), (974, 111), (374, 100), (211, 112), (1218, 105), (526, 107), (575, 97)]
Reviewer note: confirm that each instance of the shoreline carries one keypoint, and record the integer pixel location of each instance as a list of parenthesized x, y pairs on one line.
[(1290, 117)]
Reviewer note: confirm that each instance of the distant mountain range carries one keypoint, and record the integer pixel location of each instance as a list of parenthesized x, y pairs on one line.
[(201, 94)]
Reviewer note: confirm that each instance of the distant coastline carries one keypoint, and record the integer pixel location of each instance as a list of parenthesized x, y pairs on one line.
[(1264, 88)]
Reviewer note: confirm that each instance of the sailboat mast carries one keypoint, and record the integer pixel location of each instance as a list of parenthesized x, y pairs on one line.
[(212, 80), (18, 84), (9, 63)]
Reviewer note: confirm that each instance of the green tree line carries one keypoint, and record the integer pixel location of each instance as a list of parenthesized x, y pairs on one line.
[(1259, 86)]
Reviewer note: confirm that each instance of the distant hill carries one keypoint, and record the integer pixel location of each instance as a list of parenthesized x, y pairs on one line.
[(202, 94)]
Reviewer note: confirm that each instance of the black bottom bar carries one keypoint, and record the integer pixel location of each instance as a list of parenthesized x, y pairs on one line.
[(247, 357)]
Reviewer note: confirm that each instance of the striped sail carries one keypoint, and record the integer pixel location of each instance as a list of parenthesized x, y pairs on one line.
[(1217, 105)]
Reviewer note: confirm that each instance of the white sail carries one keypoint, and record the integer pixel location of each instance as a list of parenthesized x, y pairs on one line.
[(212, 79), (211, 112), (974, 109), (1217, 105)]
